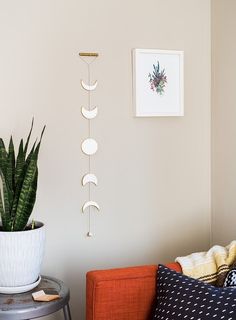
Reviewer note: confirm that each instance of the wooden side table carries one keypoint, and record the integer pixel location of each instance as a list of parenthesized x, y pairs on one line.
[(23, 307)]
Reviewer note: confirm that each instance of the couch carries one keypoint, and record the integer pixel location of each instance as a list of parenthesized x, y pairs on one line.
[(122, 294)]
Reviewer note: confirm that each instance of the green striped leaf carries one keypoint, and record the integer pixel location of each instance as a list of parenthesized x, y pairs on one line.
[(7, 200), (2, 211), (31, 153), (20, 161), (27, 196), (3, 157), (10, 168), (28, 138), (19, 183), (28, 191)]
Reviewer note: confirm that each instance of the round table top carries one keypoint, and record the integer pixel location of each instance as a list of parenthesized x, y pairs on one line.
[(22, 306)]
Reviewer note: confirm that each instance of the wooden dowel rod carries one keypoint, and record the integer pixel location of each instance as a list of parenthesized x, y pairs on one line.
[(88, 54)]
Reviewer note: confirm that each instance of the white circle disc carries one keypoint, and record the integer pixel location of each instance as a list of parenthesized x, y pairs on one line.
[(89, 146)]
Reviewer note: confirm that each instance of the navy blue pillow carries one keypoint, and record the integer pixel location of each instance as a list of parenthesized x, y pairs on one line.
[(181, 297)]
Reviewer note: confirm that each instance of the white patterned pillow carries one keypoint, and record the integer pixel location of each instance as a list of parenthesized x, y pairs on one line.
[(181, 297), (230, 280)]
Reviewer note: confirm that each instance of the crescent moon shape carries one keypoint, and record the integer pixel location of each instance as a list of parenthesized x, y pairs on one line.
[(89, 114), (90, 204), (89, 87), (89, 177)]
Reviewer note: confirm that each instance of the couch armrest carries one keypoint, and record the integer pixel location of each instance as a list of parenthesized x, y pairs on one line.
[(122, 294)]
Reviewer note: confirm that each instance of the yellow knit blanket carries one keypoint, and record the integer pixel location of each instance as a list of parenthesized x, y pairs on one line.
[(211, 266)]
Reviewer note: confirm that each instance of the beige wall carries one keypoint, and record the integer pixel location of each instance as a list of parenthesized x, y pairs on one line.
[(223, 120), (154, 173)]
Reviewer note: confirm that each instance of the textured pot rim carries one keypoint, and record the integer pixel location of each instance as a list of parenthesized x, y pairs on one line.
[(40, 224)]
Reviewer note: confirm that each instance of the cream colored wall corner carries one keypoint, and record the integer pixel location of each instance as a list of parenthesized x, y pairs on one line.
[(154, 173), (223, 121)]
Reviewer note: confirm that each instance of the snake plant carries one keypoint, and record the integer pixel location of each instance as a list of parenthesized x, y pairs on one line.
[(19, 177)]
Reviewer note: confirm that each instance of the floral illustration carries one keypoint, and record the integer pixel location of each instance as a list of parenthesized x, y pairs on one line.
[(157, 79)]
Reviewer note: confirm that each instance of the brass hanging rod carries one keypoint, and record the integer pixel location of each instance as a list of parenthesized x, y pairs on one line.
[(88, 54)]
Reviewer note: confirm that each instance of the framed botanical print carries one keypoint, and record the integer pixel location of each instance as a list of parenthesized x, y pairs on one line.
[(158, 82)]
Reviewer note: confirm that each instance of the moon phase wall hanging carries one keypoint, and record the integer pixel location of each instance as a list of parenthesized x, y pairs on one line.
[(89, 146)]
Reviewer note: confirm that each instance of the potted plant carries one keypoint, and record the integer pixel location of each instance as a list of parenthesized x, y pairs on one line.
[(21, 243)]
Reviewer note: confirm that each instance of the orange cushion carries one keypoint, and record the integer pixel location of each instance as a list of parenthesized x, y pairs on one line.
[(122, 294)]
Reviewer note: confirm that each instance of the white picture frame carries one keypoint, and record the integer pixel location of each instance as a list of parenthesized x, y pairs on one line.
[(158, 83)]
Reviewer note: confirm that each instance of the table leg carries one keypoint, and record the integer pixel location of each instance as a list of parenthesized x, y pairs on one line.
[(66, 311)]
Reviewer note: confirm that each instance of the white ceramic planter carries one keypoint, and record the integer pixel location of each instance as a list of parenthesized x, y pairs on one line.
[(21, 255)]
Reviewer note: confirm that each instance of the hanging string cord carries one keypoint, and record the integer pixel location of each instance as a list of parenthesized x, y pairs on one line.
[(89, 131), (88, 62)]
